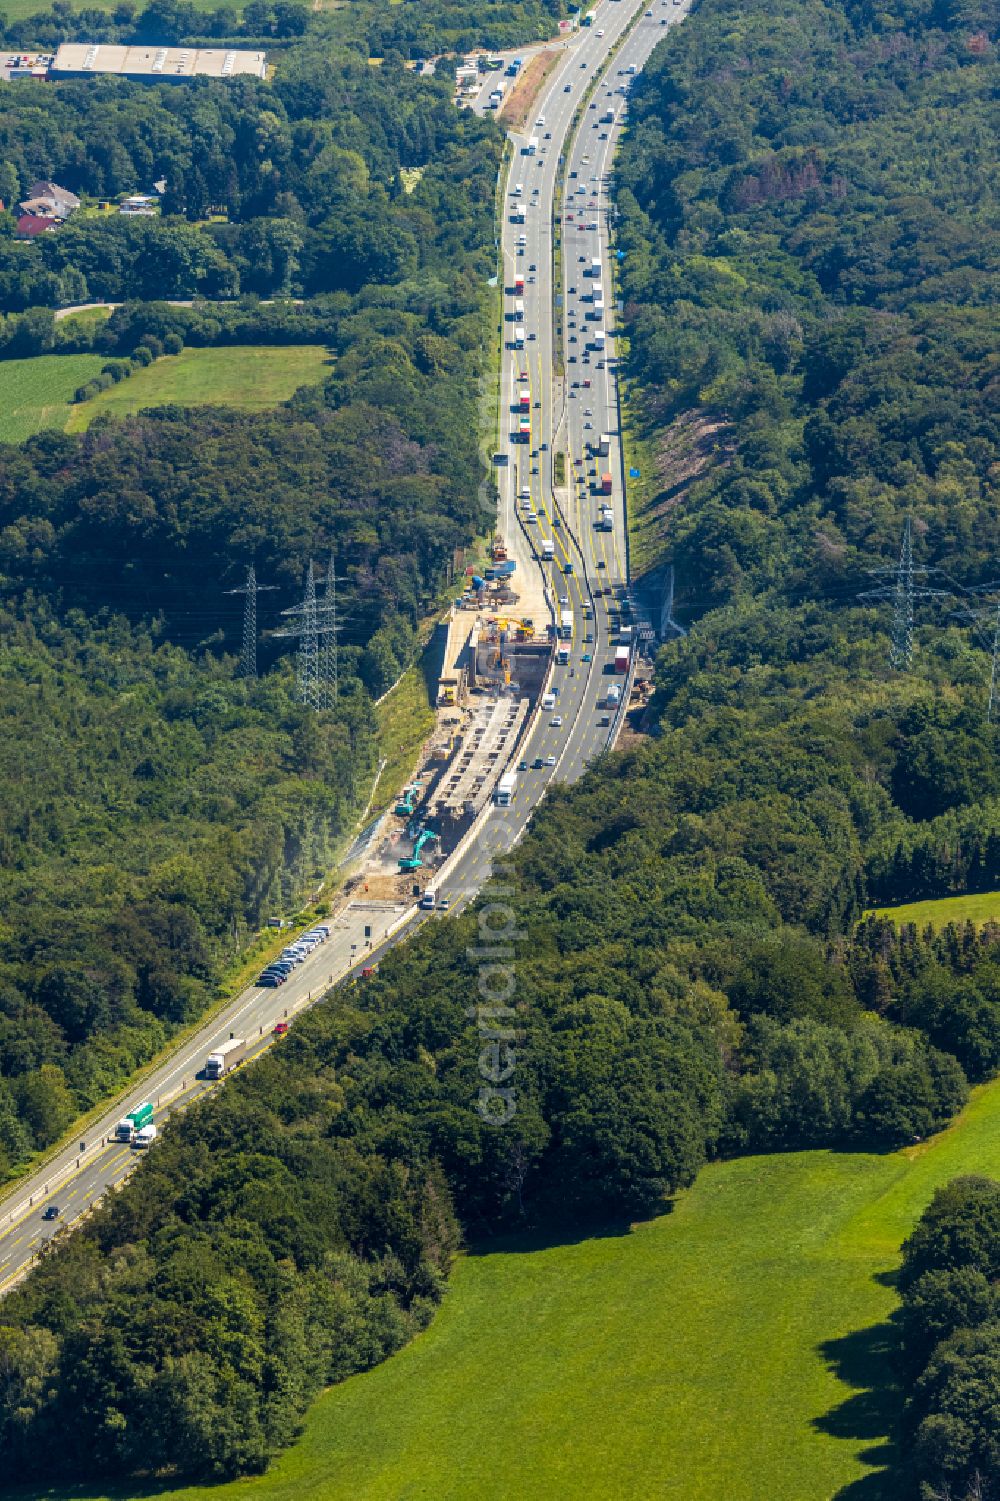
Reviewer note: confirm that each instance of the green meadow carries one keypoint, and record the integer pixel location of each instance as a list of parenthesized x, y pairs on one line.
[(735, 1348)]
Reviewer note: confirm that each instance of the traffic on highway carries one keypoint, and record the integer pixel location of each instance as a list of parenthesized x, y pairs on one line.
[(561, 482)]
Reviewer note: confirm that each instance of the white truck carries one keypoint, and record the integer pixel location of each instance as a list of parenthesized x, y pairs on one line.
[(566, 625), (145, 1137), (506, 789), (225, 1058), (548, 550), (604, 444), (519, 336), (532, 147), (614, 696), (595, 267)]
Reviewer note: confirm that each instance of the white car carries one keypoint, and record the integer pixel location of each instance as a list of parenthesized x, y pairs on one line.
[(556, 721), (550, 760)]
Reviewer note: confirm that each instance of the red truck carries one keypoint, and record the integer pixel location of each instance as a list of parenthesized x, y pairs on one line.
[(606, 484), (621, 658)]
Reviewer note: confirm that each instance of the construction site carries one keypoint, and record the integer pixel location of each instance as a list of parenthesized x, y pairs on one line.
[(490, 665)]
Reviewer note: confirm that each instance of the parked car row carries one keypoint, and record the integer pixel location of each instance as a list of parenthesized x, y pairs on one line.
[(279, 969)]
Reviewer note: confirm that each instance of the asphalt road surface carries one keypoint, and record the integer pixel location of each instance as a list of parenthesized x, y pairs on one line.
[(564, 416)]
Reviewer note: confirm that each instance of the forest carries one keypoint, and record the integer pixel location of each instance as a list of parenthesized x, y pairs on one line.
[(156, 808), (950, 1339), (806, 267), (286, 187)]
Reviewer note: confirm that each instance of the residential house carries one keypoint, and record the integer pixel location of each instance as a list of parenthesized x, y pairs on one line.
[(50, 200)]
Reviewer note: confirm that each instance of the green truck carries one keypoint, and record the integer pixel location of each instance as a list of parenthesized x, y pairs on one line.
[(135, 1121)]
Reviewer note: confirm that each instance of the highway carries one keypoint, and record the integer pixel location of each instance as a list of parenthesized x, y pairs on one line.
[(75, 1179), (567, 414), (565, 417)]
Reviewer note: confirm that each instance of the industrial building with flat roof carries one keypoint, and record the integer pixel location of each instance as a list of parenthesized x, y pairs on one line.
[(155, 64)]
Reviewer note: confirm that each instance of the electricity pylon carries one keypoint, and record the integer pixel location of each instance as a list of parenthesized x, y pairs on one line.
[(248, 656), (903, 593)]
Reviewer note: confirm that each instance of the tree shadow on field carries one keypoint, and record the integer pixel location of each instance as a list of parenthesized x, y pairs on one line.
[(546, 1238), (864, 1360)]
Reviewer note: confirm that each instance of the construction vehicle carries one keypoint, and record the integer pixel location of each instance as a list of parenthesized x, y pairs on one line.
[(499, 550), (404, 808), (414, 862)]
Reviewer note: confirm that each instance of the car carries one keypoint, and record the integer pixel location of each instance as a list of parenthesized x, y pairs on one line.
[(270, 981), (522, 766), (532, 267), (573, 339), (576, 385), (444, 902), (588, 425), (601, 564), (280, 1029), (543, 446), (540, 121), (531, 281), (571, 291), (564, 600), (600, 363), (604, 720), (572, 359), (52, 1212), (583, 65), (556, 522), (535, 192), (538, 763), (603, 136), (589, 637), (568, 89), (550, 760), (586, 385), (548, 133), (586, 657)]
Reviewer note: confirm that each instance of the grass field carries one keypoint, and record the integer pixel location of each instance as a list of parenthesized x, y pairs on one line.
[(981, 907), (34, 394), (249, 376), (732, 1349)]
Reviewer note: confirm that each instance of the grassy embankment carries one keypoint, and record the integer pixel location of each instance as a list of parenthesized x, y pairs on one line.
[(735, 1347)]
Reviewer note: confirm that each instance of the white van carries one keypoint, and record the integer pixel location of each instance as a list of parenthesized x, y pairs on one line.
[(429, 900), (548, 701)]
